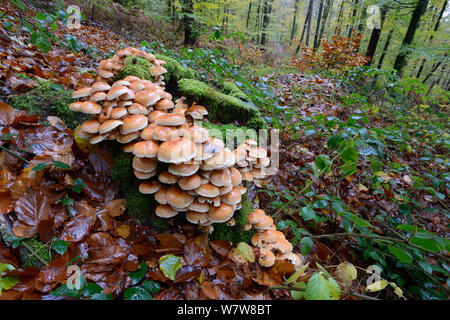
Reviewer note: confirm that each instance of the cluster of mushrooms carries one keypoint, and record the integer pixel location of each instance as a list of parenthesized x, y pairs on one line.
[(110, 68), (272, 243), (185, 168)]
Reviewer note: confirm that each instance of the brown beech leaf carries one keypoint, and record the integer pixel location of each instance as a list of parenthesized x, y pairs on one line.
[(221, 247), (52, 274), (31, 209), (169, 243), (116, 207), (7, 114), (197, 251), (78, 228)]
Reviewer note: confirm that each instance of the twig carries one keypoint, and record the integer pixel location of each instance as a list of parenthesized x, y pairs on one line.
[(361, 296), (380, 238), (14, 154)]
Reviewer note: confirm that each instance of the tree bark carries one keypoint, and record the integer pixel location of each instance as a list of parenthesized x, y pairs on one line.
[(308, 13), (266, 20), (308, 30), (402, 57), (294, 22), (435, 67), (436, 27), (188, 21), (341, 10), (316, 33), (375, 37), (249, 12), (355, 10), (386, 46), (326, 12)]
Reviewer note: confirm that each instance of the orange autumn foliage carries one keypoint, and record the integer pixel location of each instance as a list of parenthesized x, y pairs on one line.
[(338, 53)]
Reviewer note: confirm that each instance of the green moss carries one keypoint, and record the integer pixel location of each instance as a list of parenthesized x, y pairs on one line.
[(230, 132), (139, 206), (34, 253), (230, 88), (49, 99), (221, 106), (122, 172), (236, 233), (176, 71), (138, 67)]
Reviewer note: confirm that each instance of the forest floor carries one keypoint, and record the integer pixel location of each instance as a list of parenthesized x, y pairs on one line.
[(398, 176)]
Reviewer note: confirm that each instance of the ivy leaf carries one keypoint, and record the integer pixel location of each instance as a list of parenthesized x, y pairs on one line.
[(306, 244), (40, 166), (78, 185), (139, 274), (402, 255), (317, 288), (92, 289), (308, 213), (43, 43), (61, 165), (137, 293), (322, 162), (377, 286), (169, 265), (297, 294), (7, 283), (60, 246), (334, 289), (151, 286), (349, 155)]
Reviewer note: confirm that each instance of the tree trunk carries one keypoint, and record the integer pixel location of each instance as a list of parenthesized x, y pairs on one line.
[(375, 37), (352, 17), (435, 67), (266, 20), (249, 12), (308, 30), (316, 33), (308, 13), (386, 46), (436, 27), (294, 22), (341, 10), (325, 15), (188, 22), (402, 57)]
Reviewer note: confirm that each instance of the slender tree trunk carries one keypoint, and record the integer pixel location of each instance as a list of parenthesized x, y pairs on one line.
[(308, 13), (294, 22), (249, 12), (435, 67), (258, 21), (375, 37), (352, 17), (436, 27), (308, 30), (266, 20), (319, 18), (402, 57), (188, 22), (386, 46), (362, 18), (341, 10), (326, 11)]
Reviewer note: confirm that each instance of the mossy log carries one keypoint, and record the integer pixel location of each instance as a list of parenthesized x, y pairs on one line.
[(221, 106), (230, 88), (135, 66), (49, 99), (176, 71)]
